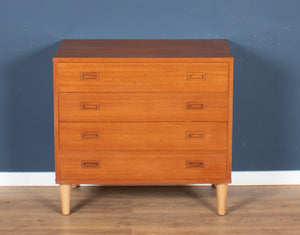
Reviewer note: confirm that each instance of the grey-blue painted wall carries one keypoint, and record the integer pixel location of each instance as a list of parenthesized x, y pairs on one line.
[(264, 37)]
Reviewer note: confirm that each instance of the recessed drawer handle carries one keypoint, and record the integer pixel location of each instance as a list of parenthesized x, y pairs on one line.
[(194, 106), (192, 164), (89, 75), (87, 135), (196, 135), (90, 164), (85, 106), (199, 76)]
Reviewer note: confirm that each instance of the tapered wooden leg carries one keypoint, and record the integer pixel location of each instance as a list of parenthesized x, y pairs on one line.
[(75, 186), (222, 198), (65, 196)]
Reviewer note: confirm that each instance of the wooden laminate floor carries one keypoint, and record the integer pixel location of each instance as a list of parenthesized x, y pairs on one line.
[(150, 210)]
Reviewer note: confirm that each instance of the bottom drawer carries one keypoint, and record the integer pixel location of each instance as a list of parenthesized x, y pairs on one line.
[(109, 167)]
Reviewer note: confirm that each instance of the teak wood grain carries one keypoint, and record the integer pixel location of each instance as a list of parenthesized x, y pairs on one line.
[(143, 107), (138, 165), (142, 77), (143, 112), (145, 48), (143, 136)]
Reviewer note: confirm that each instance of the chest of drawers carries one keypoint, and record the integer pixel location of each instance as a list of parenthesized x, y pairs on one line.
[(143, 112)]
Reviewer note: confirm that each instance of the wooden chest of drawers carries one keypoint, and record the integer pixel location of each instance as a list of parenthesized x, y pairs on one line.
[(143, 112)]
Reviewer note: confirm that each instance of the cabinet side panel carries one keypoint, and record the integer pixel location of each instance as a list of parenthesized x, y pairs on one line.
[(230, 114)]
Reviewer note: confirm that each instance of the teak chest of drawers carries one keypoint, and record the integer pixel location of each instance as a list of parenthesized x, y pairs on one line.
[(143, 112)]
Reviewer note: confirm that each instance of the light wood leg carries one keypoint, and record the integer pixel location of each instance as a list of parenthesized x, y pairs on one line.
[(222, 198), (65, 196), (75, 186)]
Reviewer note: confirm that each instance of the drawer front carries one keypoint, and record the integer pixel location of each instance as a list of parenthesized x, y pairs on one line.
[(141, 77), (152, 165), (143, 106), (143, 136)]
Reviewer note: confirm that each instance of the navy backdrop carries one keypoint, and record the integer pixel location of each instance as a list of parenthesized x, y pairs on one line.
[(264, 37)]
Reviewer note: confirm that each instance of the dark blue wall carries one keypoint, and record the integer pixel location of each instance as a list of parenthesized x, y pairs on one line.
[(264, 37)]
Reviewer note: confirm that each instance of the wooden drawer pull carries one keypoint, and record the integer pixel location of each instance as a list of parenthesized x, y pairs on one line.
[(89, 75), (90, 164), (89, 135), (201, 76), (86, 106), (194, 106), (192, 164), (196, 135)]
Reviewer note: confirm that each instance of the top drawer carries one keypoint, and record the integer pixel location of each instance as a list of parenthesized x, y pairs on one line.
[(141, 77)]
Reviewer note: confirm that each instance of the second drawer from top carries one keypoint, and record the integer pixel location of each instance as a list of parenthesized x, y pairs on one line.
[(143, 106)]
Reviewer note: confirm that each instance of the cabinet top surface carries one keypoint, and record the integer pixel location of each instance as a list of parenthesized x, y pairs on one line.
[(143, 48)]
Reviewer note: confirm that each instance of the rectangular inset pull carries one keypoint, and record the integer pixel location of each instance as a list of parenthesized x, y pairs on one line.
[(199, 76), (89, 135), (90, 164), (194, 164), (85, 106), (194, 106), (89, 75), (195, 135)]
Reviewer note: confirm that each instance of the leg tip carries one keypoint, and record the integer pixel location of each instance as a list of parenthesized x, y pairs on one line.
[(221, 213)]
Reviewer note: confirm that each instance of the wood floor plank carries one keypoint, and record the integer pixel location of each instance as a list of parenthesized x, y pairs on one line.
[(150, 210)]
